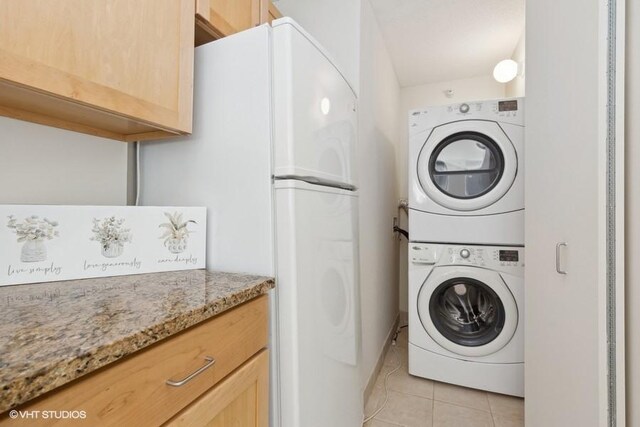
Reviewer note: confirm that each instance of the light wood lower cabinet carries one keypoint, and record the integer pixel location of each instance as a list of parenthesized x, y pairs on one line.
[(119, 69), (241, 400), (134, 391)]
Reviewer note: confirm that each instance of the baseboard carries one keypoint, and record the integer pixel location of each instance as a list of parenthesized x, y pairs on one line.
[(376, 370)]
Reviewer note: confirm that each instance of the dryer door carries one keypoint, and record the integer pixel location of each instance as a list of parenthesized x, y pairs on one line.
[(467, 165), (468, 311)]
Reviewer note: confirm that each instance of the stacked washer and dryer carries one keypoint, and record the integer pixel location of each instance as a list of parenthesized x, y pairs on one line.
[(466, 249)]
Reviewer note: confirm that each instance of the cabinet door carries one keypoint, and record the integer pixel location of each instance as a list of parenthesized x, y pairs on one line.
[(568, 358), (241, 400), (220, 18), (115, 68)]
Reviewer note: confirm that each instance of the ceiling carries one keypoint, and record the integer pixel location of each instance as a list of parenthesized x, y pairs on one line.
[(432, 41)]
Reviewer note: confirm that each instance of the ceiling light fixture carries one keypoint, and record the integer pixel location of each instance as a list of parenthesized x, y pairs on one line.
[(505, 70)]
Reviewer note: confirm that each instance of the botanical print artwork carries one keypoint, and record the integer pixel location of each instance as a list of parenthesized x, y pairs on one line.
[(111, 234), (98, 241), (32, 232), (176, 233)]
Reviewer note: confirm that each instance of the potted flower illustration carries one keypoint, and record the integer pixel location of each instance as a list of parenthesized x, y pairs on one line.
[(111, 234), (33, 231), (176, 233)]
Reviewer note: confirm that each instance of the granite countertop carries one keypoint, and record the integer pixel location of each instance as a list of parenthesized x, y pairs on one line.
[(53, 333)]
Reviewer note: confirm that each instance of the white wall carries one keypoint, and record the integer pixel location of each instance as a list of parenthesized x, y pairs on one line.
[(335, 24), (378, 140), (632, 153), (516, 86), (412, 97), (45, 165)]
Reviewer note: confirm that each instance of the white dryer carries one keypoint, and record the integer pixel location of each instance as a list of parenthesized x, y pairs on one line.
[(466, 315), (466, 173)]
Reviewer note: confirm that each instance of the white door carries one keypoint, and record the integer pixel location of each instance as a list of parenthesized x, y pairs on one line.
[(571, 378), (318, 305)]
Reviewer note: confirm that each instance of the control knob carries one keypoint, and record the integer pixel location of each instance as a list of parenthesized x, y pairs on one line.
[(464, 253)]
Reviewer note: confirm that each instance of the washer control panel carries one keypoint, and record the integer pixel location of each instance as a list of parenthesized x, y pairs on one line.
[(492, 257), (470, 255)]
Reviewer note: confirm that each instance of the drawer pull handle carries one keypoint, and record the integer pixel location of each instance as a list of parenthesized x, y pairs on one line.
[(210, 361)]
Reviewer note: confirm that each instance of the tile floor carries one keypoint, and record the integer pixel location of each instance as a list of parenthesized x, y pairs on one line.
[(418, 402)]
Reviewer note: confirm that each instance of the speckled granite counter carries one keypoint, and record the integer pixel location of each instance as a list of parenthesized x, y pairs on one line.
[(53, 333)]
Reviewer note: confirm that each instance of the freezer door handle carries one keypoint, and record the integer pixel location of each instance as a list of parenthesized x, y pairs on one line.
[(318, 181)]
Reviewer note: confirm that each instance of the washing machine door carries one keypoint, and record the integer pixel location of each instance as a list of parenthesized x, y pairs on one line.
[(467, 165), (468, 311)]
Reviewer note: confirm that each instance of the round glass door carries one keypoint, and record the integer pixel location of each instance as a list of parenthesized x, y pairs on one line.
[(466, 165), (467, 312)]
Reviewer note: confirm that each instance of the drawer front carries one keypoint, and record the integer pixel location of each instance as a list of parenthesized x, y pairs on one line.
[(134, 391), (242, 399)]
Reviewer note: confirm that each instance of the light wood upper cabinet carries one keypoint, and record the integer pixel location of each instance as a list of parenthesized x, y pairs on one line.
[(115, 68), (274, 13), (220, 18)]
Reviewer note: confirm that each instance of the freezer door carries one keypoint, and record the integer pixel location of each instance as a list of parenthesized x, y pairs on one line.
[(318, 306), (314, 109)]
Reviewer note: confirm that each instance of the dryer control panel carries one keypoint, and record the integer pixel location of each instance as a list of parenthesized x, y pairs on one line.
[(504, 110)]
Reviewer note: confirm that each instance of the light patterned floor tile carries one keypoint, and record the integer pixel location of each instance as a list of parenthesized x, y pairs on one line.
[(403, 382), (461, 396), (378, 423), (373, 401), (447, 415), (507, 421), (407, 410), (410, 401), (506, 405), (396, 355), (381, 376)]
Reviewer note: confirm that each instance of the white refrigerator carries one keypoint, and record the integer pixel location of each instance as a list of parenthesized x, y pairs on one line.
[(272, 158)]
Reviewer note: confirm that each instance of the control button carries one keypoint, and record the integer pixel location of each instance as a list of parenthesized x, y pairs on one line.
[(464, 108), (465, 253)]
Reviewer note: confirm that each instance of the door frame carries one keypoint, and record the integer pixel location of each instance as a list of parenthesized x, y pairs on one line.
[(612, 231)]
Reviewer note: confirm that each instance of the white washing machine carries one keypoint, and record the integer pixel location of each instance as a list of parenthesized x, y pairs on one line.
[(466, 315), (466, 173)]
